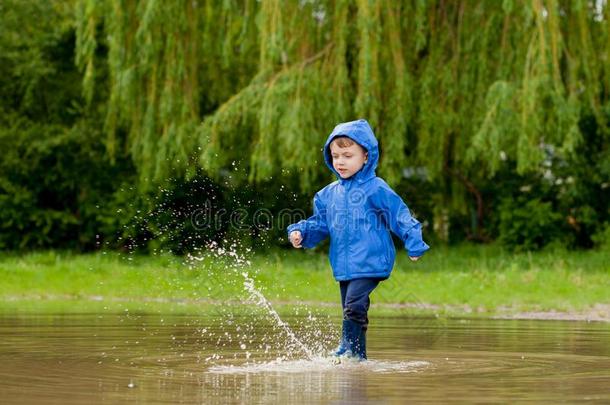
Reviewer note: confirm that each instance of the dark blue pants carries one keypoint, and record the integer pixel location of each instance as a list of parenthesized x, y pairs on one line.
[(355, 299)]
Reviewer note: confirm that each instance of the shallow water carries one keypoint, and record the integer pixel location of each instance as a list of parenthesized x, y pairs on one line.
[(96, 358)]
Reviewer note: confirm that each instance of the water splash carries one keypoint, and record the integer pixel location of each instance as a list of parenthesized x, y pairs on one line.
[(238, 326), (264, 302), (322, 365)]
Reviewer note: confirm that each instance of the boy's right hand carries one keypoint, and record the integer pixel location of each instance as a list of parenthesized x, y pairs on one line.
[(296, 239)]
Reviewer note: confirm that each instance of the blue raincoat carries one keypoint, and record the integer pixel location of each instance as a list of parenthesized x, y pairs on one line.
[(358, 214)]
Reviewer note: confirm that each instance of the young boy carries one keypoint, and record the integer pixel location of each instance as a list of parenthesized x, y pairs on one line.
[(357, 211)]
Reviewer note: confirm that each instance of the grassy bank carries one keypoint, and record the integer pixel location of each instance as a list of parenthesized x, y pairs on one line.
[(467, 279)]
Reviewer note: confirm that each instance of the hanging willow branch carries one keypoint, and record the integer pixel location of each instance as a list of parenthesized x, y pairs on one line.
[(458, 86)]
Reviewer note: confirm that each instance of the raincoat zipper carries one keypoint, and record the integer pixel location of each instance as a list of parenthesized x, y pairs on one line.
[(347, 231)]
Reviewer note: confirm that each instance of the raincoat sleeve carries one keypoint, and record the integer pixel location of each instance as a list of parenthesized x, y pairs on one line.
[(398, 217), (314, 229)]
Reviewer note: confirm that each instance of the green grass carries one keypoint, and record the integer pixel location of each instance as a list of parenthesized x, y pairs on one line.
[(483, 279)]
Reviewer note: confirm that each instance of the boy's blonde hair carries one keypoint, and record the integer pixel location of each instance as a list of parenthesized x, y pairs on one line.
[(343, 141)]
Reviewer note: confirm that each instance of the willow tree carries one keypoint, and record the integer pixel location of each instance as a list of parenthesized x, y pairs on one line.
[(454, 87), (170, 63)]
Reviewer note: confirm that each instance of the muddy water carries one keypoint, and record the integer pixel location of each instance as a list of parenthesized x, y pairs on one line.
[(188, 359)]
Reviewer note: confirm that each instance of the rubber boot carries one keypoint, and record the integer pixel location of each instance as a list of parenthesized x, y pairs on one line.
[(355, 338), (343, 345), (362, 352)]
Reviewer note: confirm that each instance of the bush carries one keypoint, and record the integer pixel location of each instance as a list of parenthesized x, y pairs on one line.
[(52, 181), (602, 237), (528, 224)]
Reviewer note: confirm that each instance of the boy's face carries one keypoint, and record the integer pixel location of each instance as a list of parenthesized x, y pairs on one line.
[(348, 160)]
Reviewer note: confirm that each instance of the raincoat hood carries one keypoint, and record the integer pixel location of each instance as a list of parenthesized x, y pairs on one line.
[(359, 131)]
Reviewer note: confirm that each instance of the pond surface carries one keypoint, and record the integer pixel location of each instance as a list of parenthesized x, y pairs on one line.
[(95, 358)]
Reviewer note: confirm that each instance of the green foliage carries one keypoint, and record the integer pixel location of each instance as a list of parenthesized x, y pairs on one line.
[(457, 88), (52, 184), (602, 237), (166, 62), (528, 224), (33, 53), (109, 99), (54, 170)]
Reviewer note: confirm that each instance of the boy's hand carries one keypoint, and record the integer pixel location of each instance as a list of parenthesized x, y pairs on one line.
[(414, 259), (296, 238)]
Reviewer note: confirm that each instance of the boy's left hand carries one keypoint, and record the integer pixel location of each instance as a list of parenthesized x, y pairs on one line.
[(414, 259)]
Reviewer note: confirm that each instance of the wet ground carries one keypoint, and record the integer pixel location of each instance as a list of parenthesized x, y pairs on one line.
[(107, 358)]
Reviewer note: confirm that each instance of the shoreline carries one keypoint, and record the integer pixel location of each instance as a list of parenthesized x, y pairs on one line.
[(597, 313)]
